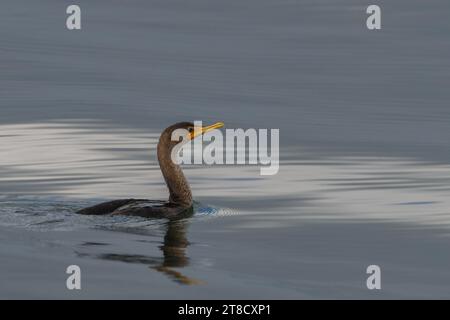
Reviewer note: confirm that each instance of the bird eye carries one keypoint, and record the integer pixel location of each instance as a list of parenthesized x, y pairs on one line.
[(191, 130)]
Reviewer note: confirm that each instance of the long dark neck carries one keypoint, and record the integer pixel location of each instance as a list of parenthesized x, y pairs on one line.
[(180, 192)]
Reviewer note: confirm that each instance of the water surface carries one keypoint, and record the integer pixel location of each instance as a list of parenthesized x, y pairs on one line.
[(365, 160)]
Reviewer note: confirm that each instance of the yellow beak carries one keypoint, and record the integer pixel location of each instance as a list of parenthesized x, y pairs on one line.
[(202, 130)]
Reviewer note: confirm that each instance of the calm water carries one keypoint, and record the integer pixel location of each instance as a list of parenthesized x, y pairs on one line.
[(365, 157)]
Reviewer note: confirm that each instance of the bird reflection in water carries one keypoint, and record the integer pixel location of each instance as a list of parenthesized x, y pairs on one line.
[(174, 252)]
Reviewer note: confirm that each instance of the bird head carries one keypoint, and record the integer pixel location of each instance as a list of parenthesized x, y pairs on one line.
[(185, 131)]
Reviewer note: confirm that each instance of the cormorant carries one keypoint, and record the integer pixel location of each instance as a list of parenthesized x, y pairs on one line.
[(180, 198)]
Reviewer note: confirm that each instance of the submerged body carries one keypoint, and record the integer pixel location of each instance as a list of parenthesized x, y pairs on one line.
[(180, 200), (137, 207)]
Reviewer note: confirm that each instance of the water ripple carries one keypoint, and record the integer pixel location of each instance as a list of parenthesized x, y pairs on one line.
[(87, 160)]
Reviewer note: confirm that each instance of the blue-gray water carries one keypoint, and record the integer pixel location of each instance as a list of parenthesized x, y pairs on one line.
[(364, 133)]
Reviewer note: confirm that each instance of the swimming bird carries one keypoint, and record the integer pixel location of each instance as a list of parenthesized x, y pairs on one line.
[(180, 195)]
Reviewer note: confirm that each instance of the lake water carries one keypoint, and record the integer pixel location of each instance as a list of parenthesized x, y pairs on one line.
[(364, 148)]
